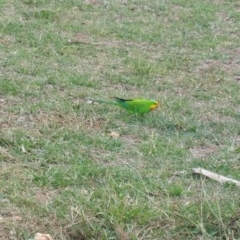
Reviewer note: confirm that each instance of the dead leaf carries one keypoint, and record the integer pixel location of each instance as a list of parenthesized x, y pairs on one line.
[(23, 149), (12, 232), (41, 236), (89, 101), (114, 135)]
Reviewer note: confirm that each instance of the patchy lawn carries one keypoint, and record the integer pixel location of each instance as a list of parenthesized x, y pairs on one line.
[(84, 171)]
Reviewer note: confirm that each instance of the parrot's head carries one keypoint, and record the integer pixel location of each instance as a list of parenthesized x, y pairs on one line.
[(154, 104)]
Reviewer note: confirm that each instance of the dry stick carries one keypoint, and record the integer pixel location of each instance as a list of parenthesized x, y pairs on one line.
[(215, 176)]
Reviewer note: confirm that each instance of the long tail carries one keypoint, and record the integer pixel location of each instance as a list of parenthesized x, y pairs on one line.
[(103, 101)]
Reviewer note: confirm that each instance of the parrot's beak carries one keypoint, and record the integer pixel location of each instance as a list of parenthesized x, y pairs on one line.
[(155, 105)]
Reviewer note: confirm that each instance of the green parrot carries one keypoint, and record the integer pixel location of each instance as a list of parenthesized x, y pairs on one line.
[(132, 105)]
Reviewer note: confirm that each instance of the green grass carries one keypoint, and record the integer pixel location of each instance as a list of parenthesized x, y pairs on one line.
[(61, 171)]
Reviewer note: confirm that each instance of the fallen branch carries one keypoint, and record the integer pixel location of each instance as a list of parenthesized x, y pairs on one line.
[(215, 176)]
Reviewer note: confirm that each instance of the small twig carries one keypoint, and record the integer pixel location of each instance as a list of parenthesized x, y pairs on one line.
[(215, 176)]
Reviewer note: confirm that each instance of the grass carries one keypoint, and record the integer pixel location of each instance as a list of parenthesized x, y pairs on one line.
[(61, 171)]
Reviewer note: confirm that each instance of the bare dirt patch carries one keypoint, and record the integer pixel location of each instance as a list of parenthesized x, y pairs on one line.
[(9, 216), (202, 152), (231, 65), (207, 66), (44, 196), (212, 116)]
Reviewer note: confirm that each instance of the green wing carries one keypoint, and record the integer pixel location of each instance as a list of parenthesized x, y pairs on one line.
[(137, 105), (132, 105)]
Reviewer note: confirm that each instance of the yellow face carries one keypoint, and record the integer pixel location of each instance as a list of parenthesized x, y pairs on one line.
[(154, 105)]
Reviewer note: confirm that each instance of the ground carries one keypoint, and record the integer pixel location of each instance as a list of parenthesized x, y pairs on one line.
[(78, 170)]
